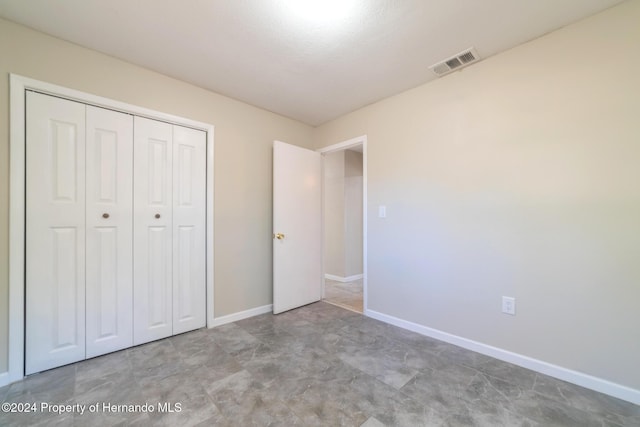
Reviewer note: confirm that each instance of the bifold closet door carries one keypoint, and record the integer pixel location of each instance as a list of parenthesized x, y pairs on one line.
[(109, 256), (115, 231), (189, 195), (152, 235), (55, 232), (169, 229)]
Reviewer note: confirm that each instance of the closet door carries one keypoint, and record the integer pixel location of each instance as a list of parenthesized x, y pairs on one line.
[(152, 235), (109, 268), (189, 195), (55, 232)]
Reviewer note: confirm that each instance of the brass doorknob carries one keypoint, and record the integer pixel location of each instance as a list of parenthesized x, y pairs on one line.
[(157, 216), (105, 215), (278, 236)]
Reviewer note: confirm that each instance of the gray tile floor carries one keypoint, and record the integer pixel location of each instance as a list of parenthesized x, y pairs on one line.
[(317, 365)]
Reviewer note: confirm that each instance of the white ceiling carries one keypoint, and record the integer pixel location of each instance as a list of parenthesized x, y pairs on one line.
[(312, 67)]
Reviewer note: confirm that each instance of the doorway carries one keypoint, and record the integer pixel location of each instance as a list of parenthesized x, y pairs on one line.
[(344, 224)]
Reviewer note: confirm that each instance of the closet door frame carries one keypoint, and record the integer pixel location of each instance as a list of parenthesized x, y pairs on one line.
[(18, 86)]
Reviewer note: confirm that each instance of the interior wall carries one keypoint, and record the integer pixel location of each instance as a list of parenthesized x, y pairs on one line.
[(343, 213), (333, 170), (516, 176), (243, 155), (352, 213)]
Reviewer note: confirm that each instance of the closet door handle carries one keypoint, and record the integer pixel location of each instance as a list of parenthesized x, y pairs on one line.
[(105, 215), (157, 216)]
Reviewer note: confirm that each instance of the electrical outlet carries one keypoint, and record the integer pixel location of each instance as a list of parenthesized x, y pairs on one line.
[(509, 305)]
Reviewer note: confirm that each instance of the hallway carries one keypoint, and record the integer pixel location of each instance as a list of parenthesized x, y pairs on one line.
[(344, 294)]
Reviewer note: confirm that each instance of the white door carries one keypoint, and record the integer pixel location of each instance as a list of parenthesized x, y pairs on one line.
[(152, 235), (109, 268), (297, 226), (189, 197), (55, 232)]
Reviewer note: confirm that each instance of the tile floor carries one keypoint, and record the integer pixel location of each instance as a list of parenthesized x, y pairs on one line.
[(319, 365), (344, 294)]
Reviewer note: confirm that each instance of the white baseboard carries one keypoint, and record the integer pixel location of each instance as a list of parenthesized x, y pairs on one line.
[(5, 379), (588, 381), (344, 279), (230, 318)]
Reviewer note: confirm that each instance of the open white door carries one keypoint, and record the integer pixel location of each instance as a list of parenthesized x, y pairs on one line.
[(297, 226)]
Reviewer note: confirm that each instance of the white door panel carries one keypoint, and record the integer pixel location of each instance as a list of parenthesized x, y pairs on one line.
[(297, 210), (55, 236), (152, 242), (109, 254), (189, 196)]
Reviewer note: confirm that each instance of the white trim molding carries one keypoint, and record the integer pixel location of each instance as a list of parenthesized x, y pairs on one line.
[(350, 143), (584, 380), (234, 317), (18, 85), (343, 279), (4, 379)]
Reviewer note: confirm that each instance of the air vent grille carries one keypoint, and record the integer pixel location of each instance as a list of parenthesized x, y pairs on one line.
[(453, 63), (467, 57), (457, 61)]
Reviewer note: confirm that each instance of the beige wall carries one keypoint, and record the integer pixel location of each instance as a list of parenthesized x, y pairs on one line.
[(343, 213), (517, 176), (352, 213), (333, 166), (243, 155)]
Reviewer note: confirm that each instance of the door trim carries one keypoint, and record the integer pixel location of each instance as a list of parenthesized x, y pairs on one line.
[(353, 142), (18, 85)]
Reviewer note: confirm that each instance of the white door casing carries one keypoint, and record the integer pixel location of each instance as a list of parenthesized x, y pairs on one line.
[(55, 236), (360, 141), (109, 228), (297, 214), (152, 236), (189, 254)]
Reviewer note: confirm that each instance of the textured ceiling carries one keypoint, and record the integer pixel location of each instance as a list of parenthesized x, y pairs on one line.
[(308, 64)]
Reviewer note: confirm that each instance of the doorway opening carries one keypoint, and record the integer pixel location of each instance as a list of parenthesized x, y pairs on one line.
[(344, 224)]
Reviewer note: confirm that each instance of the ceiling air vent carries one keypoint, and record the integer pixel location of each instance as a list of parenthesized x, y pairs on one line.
[(460, 60)]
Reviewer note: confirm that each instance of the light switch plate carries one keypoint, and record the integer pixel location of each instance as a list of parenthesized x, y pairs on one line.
[(509, 305)]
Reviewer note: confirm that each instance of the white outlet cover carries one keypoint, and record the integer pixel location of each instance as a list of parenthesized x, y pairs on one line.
[(509, 305)]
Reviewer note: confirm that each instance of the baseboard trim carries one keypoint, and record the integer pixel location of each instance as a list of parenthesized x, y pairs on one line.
[(5, 379), (344, 279), (234, 317), (584, 380)]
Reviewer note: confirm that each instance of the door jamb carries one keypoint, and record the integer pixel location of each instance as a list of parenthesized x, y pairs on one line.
[(18, 85), (353, 142)]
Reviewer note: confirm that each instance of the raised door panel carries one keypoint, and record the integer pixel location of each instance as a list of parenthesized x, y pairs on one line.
[(189, 210), (152, 235), (55, 232), (109, 268)]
